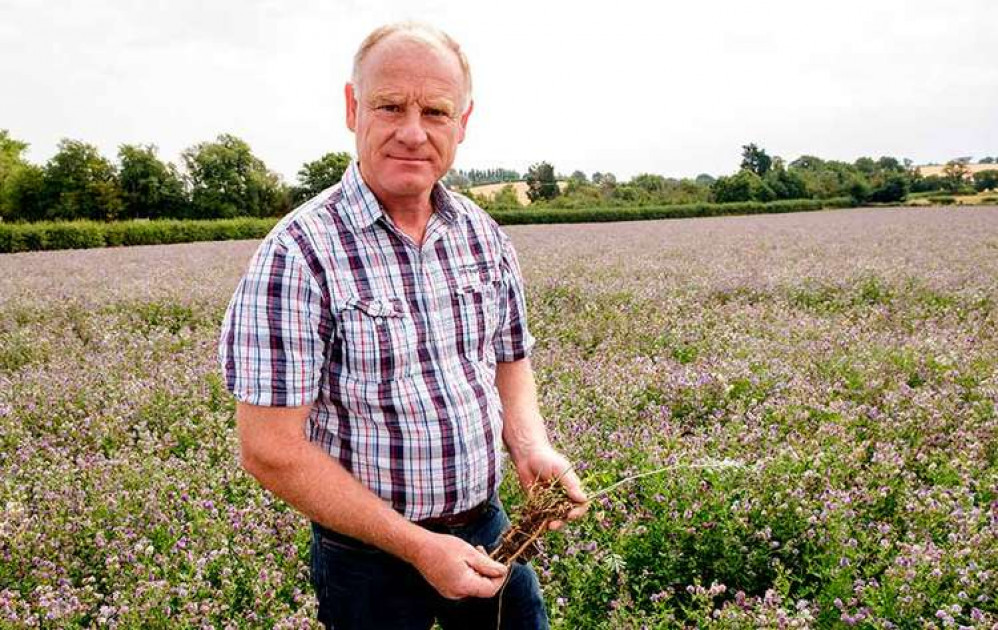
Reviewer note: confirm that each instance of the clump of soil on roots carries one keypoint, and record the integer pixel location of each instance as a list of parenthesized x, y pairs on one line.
[(547, 502)]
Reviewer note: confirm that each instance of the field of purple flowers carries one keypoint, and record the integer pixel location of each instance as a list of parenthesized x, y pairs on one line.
[(822, 386)]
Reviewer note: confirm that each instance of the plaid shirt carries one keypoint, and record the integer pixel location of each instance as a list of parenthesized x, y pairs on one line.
[(394, 345)]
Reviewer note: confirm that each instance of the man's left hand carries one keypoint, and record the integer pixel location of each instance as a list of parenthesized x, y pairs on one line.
[(544, 463)]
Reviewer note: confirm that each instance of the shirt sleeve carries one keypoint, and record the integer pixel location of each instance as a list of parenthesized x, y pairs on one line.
[(271, 351), (513, 340)]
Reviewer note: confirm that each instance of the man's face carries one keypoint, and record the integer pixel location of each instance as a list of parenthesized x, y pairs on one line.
[(406, 114)]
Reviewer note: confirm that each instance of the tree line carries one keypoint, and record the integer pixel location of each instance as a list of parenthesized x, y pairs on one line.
[(222, 178), (761, 177), (219, 179), (458, 178)]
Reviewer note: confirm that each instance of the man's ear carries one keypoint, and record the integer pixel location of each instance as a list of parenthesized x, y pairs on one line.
[(464, 120), (351, 98)]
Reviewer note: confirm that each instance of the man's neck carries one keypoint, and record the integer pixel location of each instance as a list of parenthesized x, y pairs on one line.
[(409, 214)]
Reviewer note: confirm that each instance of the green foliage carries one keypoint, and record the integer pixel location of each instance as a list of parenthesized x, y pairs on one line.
[(641, 213), (506, 199), (955, 174), (943, 200), (314, 177), (227, 181), (477, 177), (11, 160), (785, 184), (541, 183), (745, 185), (986, 180), (755, 160), (23, 194), (150, 188), (47, 235), (889, 188), (81, 184)]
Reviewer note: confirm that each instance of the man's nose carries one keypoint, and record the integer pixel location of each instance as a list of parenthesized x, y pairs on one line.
[(411, 132)]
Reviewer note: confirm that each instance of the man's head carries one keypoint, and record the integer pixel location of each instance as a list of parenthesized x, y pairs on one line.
[(408, 104)]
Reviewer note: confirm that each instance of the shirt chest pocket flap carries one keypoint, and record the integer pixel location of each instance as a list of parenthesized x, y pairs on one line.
[(377, 338)]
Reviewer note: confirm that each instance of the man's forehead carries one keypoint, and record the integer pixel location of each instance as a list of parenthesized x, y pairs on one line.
[(399, 52)]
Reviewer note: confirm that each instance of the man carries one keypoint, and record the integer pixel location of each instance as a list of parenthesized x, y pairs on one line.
[(378, 350)]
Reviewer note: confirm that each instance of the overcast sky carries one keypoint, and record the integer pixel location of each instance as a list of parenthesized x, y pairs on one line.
[(621, 86)]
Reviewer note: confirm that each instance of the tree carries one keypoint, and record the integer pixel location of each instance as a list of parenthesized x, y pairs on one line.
[(227, 180), (755, 160), (541, 183), (10, 155), (579, 177), (986, 180), (456, 180), (24, 194), (81, 184), (506, 198), (745, 185), (314, 177), (704, 179), (11, 160), (866, 166), (955, 174), (889, 187), (987, 160), (786, 184), (150, 188), (649, 182)]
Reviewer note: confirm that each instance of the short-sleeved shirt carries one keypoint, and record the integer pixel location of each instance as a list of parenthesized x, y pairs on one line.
[(394, 345)]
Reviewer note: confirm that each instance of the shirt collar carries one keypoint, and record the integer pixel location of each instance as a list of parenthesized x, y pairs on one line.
[(363, 209)]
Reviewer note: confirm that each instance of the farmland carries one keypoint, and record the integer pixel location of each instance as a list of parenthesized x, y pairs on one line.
[(822, 386)]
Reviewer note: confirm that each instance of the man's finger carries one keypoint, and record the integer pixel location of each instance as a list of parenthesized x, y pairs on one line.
[(573, 487), (486, 566), (482, 586)]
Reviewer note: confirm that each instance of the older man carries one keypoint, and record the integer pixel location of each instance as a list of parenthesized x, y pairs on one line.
[(378, 350)]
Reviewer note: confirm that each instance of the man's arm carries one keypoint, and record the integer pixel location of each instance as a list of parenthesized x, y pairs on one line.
[(275, 451), (527, 439)]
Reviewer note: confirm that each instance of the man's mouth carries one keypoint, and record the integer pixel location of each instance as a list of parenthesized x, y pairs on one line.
[(408, 159)]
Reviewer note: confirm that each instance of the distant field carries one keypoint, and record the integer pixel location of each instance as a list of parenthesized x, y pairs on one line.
[(937, 169), (490, 190)]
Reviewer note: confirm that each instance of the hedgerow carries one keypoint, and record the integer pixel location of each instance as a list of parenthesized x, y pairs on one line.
[(48, 235)]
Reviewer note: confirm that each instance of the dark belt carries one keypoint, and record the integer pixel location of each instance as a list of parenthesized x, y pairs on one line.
[(460, 519)]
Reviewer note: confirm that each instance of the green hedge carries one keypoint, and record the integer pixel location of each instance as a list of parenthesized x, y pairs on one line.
[(24, 237), (593, 215)]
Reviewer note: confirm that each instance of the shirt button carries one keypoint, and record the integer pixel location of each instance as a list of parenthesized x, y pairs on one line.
[(379, 320)]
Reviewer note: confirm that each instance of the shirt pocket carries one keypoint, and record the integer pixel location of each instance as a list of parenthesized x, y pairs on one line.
[(475, 301), (378, 338)]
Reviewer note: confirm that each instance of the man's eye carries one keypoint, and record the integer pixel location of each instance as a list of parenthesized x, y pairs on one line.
[(434, 112), (392, 109)]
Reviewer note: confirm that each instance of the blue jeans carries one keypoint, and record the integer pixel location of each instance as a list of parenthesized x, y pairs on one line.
[(360, 586)]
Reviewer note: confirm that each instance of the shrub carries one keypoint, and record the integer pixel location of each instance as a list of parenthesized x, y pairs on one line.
[(943, 200), (22, 237)]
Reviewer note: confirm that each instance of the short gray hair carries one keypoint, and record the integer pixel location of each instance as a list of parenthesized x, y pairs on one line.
[(417, 31)]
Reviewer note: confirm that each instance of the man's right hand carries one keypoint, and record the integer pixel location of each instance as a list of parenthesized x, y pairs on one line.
[(458, 570)]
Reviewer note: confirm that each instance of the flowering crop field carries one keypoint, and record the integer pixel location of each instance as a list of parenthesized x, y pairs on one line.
[(822, 386)]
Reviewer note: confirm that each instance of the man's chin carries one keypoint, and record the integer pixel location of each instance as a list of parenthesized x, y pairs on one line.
[(408, 185)]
